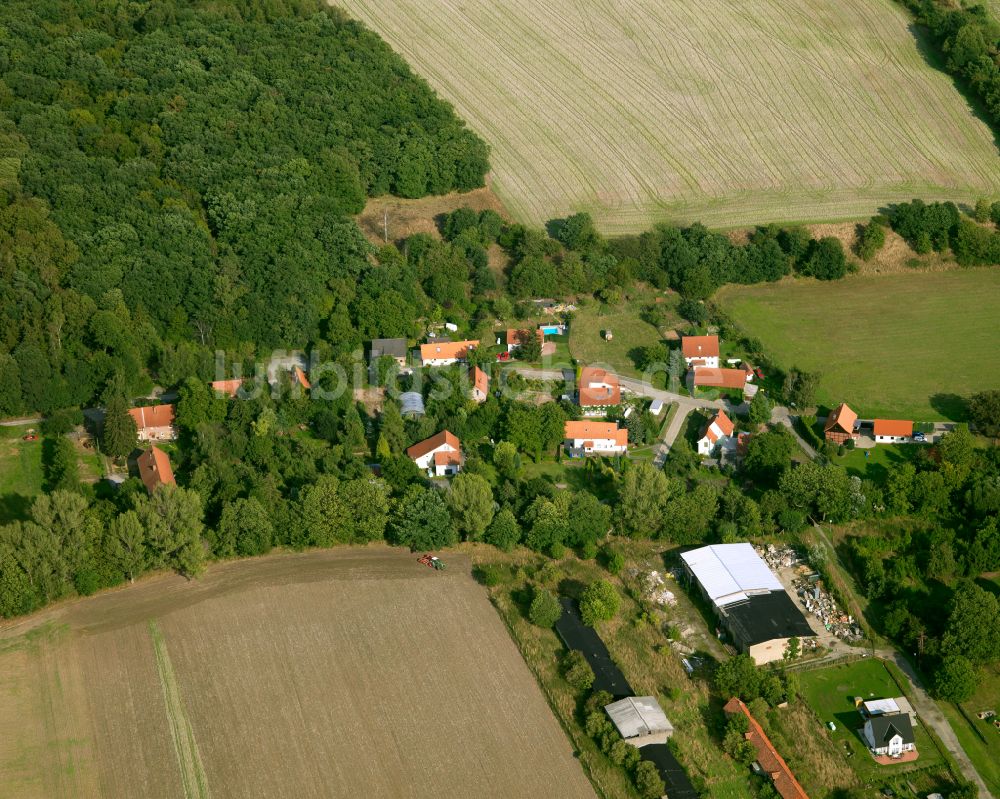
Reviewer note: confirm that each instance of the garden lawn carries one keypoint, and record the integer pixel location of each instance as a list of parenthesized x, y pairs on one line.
[(980, 739), (20, 473), (830, 693), (906, 346), (880, 458), (629, 333)]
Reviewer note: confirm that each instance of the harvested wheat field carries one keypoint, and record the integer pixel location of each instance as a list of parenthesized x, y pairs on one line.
[(727, 112), (354, 672)]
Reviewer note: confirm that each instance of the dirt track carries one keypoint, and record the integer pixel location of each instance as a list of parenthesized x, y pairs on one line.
[(353, 672)]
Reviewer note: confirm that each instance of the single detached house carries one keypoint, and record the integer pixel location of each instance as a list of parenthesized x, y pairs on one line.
[(480, 384), (889, 734), (445, 353), (298, 378), (440, 455), (595, 438), (394, 348), (154, 469), (892, 431), (719, 433), (513, 343), (700, 351), (841, 425), (598, 391), (154, 423), (226, 388)]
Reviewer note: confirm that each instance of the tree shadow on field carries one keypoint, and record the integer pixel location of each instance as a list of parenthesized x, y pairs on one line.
[(951, 406), (926, 48)]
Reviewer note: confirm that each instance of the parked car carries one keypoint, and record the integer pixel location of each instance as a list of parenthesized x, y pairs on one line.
[(919, 437)]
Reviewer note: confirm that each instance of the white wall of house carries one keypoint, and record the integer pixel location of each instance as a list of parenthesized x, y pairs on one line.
[(891, 439), (712, 361), (893, 748), (440, 361), (426, 461), (156, 434), (602, 446)]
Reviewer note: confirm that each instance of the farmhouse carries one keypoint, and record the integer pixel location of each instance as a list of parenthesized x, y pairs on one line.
[(712, 377), (445, 353), (841, 425), (394, 348), (768, 759), (748, 598), (595, 438), (440, 455), (640, 720), (719, 433), (892, 431), (889, 734), (480, 384), (154, 469), (700, 351), (599, 390), (154, 423)]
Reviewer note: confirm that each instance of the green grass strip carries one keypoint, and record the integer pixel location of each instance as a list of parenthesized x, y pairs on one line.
[(193, 777)]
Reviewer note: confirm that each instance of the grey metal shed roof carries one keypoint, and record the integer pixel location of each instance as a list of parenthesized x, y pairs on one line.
[(638, 715)]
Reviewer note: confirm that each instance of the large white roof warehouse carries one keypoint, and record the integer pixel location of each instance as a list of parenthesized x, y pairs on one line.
[(730, 573)]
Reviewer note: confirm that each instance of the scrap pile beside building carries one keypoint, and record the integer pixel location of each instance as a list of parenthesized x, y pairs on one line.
[(821, 604)]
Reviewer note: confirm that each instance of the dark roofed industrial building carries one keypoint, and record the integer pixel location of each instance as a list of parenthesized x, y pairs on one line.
[(751, 602)]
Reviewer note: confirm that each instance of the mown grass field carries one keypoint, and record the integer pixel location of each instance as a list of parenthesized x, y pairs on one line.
[(906, 346), (20, 472), (725, 112), (353, 672)]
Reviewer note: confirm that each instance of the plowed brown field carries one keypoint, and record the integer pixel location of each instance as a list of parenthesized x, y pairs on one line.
[(345, 673)]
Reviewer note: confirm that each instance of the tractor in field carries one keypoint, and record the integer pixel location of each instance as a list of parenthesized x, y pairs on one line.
[(433, 561)]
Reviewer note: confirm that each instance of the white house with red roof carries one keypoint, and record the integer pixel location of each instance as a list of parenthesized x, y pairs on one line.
[(892, 431), (440, 455), (480, 381), (154, 422), (599, 390), (595, 438), (719, 433), (700, 351)]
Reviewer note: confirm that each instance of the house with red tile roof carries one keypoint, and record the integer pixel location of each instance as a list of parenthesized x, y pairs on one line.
[(771, 763), (226, 388), (480, 384), (154, 422), (154, 469), (719, 433), (595, 438), (841, 425), (513, 343), (711, 377), (440, 455), (892, 431), (445, 353), (599, 390), (700, 351)]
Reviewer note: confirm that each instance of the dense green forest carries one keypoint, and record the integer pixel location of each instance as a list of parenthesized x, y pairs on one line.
[(177, 174)]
